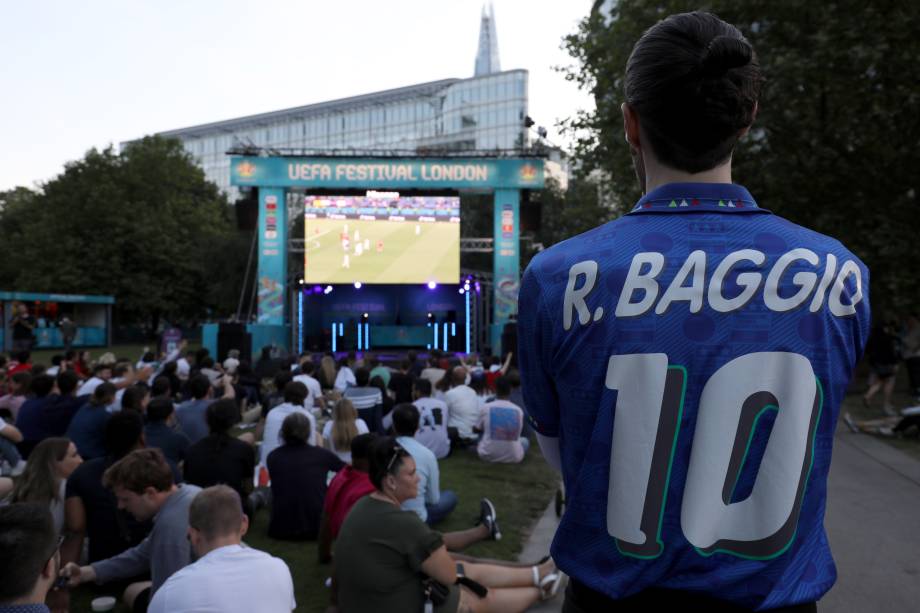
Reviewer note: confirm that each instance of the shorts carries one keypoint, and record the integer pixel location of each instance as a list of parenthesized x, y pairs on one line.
[(581, 599)]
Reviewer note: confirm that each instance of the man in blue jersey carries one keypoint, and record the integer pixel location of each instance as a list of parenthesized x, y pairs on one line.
[(684, 365)]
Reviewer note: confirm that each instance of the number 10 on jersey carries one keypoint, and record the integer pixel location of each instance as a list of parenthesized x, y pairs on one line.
[(646, 429)]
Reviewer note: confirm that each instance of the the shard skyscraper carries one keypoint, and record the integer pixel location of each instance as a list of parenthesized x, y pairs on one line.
[(487, 56)]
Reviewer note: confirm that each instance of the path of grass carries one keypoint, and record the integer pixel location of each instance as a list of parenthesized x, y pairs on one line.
[(520, 493)]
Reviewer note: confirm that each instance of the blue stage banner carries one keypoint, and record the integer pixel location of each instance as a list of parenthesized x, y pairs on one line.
[(443, 173)]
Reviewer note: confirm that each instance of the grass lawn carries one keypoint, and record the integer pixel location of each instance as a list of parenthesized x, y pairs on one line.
[(520, 493), (132, 352)]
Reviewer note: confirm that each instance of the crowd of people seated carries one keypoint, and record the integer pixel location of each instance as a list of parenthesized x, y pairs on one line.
[(142, 467)]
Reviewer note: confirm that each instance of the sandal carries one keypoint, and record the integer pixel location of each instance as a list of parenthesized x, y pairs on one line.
[(550, 583)]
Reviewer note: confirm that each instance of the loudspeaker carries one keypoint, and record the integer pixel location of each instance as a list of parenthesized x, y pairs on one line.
[(233, 336)]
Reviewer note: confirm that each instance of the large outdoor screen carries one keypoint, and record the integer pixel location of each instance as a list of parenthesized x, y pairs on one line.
[(381, 238)]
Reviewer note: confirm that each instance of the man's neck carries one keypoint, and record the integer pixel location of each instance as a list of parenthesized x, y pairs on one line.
[(657, 175), (225, 541), (36, 596)]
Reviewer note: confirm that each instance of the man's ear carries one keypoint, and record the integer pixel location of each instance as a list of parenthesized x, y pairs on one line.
[(244, 526), (631, 126), (744, 131)]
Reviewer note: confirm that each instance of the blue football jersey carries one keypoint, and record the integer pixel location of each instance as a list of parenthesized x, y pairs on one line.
[(691, 357)]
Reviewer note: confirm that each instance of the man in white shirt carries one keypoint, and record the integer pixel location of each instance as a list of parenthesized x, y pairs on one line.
[(433, 417), (295, 393), (501, 422), (307, 367), (228, 577), (462, 405), (433, 372), (101, 374)]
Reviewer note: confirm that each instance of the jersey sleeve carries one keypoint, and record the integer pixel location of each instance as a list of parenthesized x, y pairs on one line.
[(541, 403)]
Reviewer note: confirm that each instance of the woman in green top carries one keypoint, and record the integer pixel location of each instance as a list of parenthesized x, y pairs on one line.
[(384, 554)]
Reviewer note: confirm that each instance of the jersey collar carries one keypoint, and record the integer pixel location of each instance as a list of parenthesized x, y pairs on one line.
[(695, 197)]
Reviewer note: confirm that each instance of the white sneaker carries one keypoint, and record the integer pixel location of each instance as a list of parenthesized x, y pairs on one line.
[(19, 468)]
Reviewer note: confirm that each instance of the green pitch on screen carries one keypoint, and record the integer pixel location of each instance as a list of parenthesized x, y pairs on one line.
[(382, 251)]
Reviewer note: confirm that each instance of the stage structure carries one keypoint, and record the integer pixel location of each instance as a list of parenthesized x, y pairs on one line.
[(319, 179)]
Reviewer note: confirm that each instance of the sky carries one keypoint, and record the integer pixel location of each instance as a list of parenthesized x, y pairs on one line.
[(78, 75)]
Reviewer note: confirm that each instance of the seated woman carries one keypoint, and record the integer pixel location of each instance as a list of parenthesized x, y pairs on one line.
[(299, 475), (386, 552), (45, 478), (340, 431), (219, 457)]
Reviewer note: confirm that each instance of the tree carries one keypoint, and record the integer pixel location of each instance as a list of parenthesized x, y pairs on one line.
[(834, 146), (143, 225)]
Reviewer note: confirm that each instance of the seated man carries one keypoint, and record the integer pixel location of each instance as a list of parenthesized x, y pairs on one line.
[(30, 420), (227, 576), (191, 414), (143, 484), (87, 428), (307, 368), (161, 431), (299, 474), (367, 400), (60, 410), (29, 558), (433, 418), (431, 504), (295, 394), (463, 406), (90, 509), (501, 423), (219, 457)]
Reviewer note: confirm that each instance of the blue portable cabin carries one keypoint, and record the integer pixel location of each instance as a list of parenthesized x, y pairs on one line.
[(91, 314)]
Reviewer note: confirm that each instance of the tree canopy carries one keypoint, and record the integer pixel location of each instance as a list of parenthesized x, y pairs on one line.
[(143, 225), (835, 143)]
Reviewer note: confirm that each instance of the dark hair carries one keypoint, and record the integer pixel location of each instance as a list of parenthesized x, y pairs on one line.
[(39, 482), (405, 419), (423, 387), (694, 81), (23, 357), (67, 381), (295, 392), (207, 362), (503, 387), (103, 394), (307, 367), (100, 367), (70, 355), (377, 381), (161, 387), (222, 415), (133, 397), (38, 369), (24, 380), (122, 433), (282, 378), (140, 469), (159, 408), (42, 385), (198, 386), (148, 357), (386, 457), (362, 376), (361, 446), (121, 369), (57, 359), (27, 541), (295, 429), (170, 368)]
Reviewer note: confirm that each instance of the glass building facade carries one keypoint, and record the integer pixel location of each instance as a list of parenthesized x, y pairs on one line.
[(477, 115)]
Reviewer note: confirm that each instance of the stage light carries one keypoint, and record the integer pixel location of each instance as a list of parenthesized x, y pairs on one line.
[(432, 285), (317, 289), (461, 291), (328, 289), (357, 285), (366, 316), (477, 287)]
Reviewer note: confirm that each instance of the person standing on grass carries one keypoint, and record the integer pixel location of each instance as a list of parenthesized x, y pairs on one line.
[(651, 386), (227, 576)]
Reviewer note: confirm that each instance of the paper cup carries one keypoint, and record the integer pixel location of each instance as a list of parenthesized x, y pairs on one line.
[(104, 603)]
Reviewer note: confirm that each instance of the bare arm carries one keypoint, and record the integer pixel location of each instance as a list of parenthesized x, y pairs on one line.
[(507, 363), (12, 433), (440, 566), (229, 392)]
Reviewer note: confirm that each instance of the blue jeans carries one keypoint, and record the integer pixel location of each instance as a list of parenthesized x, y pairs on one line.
[(9, 452), (440, 510)]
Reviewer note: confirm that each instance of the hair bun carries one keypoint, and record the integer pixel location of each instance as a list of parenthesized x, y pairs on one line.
[(724, 53)]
